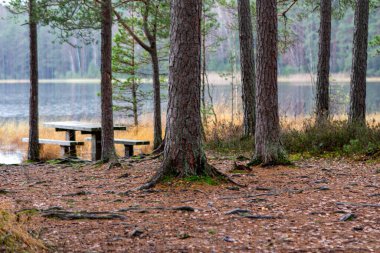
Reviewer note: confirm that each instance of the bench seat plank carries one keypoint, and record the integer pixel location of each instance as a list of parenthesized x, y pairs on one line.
[(126, 142), (56, 142), (131, 142)]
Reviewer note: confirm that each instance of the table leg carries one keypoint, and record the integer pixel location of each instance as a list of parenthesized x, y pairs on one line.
[(96, 146), (72, 150), (128, 151)]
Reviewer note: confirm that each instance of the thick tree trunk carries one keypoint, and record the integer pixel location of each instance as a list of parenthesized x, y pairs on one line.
[(157, 139), (108, 149), (359, 64), (183, 155), (33, 149), (247, 62), (322, 99), (268, 149)]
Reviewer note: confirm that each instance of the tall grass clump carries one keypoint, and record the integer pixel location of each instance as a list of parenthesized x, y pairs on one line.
[(302, 136), (226, 137), (14, 237), (335, 136)]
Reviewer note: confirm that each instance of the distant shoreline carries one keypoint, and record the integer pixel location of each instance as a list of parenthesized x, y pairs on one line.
[(213, 77)]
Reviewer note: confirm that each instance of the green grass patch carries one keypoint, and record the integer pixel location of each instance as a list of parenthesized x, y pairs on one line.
[(203, 180)]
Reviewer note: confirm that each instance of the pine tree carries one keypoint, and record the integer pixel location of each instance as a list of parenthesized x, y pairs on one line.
[(128, 94)]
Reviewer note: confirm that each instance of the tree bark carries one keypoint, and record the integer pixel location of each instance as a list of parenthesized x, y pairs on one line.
[(359, 64), (183, 152), (157, 140), (184, 155), (108, 148), (268, 150), (33, 148), (247, 62), (322, 99), (134, 84)]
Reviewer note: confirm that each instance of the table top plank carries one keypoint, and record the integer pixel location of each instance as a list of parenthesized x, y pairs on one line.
[(79, 126)]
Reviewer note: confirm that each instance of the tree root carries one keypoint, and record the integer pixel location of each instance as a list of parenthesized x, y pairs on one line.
[(357, 204), (213, 172), (114, 164), (210, 171), (177, 208), (160, 148), (61, 214), (282, 160), (153, 181)]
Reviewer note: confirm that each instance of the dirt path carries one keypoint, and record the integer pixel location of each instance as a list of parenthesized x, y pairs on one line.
[(284, 209)]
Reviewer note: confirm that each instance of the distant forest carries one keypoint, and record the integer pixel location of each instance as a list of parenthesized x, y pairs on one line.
[(299, 57)]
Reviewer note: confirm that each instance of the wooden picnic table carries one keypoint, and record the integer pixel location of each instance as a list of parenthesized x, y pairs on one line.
[(94, 129)]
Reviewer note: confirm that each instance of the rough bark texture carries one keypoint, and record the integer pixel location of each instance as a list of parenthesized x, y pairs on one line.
[(108, 149), (247, 62), (322, 99), (268, 149), (183, 153), (33, 148), (359, 64)]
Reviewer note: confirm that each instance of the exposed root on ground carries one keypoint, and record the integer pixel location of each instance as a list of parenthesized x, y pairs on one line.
[(160, 148), (213, 172), (210, 171), (114, 164)]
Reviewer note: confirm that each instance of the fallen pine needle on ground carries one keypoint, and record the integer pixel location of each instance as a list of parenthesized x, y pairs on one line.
[(318, 205)]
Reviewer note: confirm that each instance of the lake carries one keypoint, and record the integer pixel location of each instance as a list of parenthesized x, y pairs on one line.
[(70, 101)]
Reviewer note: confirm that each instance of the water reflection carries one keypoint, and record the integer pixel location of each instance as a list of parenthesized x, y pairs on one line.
[(11, 157), (81, 101)]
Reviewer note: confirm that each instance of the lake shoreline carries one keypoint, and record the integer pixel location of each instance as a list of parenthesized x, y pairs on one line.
[(213, 78)]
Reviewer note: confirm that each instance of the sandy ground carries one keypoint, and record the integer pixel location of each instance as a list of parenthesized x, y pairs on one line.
[(286, 209)]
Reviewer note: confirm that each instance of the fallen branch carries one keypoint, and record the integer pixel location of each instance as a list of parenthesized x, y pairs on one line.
[(140, 209), (357, 204), (64, 215), (59, 213), (247, 214)]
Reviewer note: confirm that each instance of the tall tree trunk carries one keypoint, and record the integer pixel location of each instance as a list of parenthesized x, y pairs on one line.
[(322, 99), (134, 85), (33, 149), (108, 148), (183, 154), (247, 62), (157, 139), (268, 149), (359, 64)]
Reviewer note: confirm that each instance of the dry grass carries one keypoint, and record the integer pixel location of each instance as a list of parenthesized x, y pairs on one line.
[(11, 133), (14, 236)]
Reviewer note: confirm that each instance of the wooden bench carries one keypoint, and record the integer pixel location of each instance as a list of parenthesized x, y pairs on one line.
[(128, 145), (67, 147)]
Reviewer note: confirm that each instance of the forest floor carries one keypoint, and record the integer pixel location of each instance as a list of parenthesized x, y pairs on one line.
[(318, 205)]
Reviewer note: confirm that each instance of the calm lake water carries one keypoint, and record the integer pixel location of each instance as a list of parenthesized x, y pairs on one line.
[(81, 101), (62, 101)]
